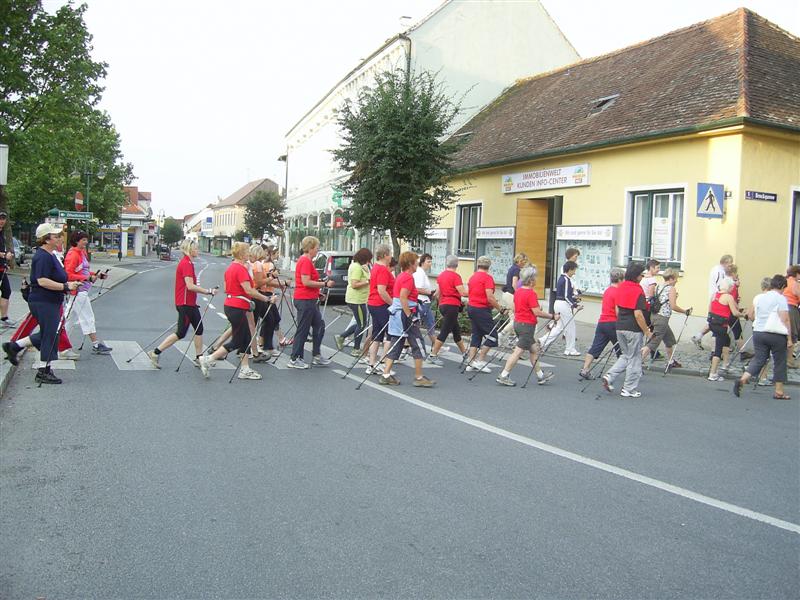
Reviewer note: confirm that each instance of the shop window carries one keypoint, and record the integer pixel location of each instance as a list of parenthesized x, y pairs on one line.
[(656, 226), (469, 217)]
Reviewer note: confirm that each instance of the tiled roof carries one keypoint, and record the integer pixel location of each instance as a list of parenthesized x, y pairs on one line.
[(241, 195), (736, 65)]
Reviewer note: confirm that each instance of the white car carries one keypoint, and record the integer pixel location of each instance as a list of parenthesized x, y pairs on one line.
[(19, 253)]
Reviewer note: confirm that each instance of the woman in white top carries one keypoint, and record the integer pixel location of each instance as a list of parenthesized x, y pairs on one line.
[(770, 315)]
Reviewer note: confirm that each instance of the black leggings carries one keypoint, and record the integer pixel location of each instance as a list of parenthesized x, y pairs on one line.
[(721, 337), (240, 339), (736, 327), (449, 323), (269, 325), (360, 316)]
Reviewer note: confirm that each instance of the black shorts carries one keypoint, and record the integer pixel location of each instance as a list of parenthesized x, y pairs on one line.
[(240, 340), (5, 285), (380, 320), (188, 315), (484, 328)]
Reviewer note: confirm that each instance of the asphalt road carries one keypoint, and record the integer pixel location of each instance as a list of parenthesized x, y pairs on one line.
[(156, 484)]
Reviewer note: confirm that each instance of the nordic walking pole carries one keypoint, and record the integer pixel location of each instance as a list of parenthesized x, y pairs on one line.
[(194, 333), (498, 351), (677, 341), (550, 345), (241, 356), (487, 336), (60, 327), (364, 352), (400, 338), (216, 339), (609, 352), (102, 283), (150, 343)]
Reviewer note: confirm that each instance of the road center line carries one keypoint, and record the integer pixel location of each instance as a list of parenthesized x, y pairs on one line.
[(584, 460)]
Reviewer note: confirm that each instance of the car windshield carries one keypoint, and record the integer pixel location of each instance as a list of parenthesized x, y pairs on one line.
[(340, 263)]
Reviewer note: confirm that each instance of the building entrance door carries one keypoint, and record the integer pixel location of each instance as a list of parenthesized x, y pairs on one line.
[(536, 220)]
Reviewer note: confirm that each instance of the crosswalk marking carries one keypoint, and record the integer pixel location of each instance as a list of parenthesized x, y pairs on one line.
[(56, 365), (182, 345), (123, 350)]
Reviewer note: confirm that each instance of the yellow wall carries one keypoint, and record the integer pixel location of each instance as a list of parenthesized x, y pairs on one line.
[(754, 232)]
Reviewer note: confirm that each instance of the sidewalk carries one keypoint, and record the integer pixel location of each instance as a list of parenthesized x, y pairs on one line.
[(18, 309)]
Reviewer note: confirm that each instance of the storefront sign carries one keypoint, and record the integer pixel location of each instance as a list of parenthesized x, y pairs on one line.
[(593, 232), (545, 179), (766, 196), (494, 233), (72, 214), (661, 238), (436, 234), (710, 200)]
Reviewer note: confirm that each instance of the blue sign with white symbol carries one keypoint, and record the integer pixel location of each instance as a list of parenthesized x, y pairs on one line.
[(710, 200)]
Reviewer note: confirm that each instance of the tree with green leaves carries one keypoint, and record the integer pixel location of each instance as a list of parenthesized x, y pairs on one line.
[(171, 232), (264, 214), (395, 162), (49, 91)]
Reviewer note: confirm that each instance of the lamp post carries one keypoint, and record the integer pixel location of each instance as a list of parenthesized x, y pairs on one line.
[(86, 168)]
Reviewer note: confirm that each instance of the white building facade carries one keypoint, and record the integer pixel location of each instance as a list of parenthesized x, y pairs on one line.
[(477, 50)]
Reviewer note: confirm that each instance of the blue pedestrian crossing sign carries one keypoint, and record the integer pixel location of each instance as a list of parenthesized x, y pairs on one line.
[(710, 200)]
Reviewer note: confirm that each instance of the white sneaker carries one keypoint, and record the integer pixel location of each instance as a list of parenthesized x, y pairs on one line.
[(154, 359), (248, 373), (571, 353), (68, 355), (716, 377), (630, 393), (204, 366), (479, 366)]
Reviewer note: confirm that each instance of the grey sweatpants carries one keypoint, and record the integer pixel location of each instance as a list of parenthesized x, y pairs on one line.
[(630, 361)]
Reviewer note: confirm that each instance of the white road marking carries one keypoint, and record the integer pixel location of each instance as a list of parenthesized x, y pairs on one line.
[(125, 349), (204, 298), (56, 365), (214, 307), (221, 315), (584, 460), (152, 269)]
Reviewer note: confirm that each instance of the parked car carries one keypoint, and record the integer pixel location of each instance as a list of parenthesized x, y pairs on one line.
[(19, 252), (334, 265), (164, 252)]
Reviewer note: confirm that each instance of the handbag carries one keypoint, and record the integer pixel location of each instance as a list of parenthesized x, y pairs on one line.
[(774, 324)]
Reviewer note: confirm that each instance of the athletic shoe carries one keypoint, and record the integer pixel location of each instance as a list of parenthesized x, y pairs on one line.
[(737, 388), (505, 381), (382, 370), (68, 355), (587, 375), (355, 352), (364, 360), (444, 349), (339, 342), (248, 373), (546, 376), (48, 377), (273, 353), (630, 393), (11, 350), (479, 366), (101, 348), (435, 360), (296, 363), (698, 341), (203, 363), (403, 356), (607, 384), (765, 382), (571, 353), (194, 362), (153, 359), (716, 377), (389, 380), (725, 368), (424, 382), (675, 365), (320, 361), (262, 358)]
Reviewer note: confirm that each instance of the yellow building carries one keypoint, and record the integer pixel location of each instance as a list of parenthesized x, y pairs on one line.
[(228, 214), (682, 148)]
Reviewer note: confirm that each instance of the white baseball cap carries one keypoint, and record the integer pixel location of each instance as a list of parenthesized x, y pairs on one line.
[(47, 229)]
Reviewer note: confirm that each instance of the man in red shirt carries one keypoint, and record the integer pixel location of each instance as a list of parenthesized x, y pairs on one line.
[(186, 290), (479, 309), (606, 330)]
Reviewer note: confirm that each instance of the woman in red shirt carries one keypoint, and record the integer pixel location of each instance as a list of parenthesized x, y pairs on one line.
[(723, 306), (606, 330), (239, 290), (381, 286), (526, 311), (306, 302), (404, 323), (479, 309), (451, 290)]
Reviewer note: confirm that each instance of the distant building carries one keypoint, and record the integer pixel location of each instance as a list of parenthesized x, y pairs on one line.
[(476, 48), (200, 227), (135, 231), (228, 214)]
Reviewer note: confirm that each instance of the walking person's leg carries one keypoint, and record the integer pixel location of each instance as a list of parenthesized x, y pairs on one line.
[(633, 370), (304, 315), (624, 341)]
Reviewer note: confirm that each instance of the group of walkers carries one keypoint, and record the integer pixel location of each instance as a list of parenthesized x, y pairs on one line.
[(393, 315)]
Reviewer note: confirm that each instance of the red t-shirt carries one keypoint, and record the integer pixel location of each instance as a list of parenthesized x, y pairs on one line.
[(305, 267), (379, 275), (525, 300), (235, 275), (719, 309), (628, 294), (478, 284), (183, 297), (608, 308), (447, 282), (405, 281)]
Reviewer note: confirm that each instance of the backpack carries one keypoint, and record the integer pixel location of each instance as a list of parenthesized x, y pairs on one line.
[(655, 302)]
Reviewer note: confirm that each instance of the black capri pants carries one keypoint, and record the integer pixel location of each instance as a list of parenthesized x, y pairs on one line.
[(449, 323), (766, 344), (604, 334), (720, 332), (736, 327), (49, 316), (484, 328), (272, 318), (240, 340), (5, 286), (188, 315), (380, 320)]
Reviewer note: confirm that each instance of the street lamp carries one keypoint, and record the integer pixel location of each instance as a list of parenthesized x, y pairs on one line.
[(86, 168)]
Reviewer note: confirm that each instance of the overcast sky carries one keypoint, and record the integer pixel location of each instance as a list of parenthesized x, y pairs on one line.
[(203, 92)]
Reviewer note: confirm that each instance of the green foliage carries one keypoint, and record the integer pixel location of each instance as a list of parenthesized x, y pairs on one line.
[(49, 91), (171, 232), (239, 235), (264, 214), (396, 164)]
